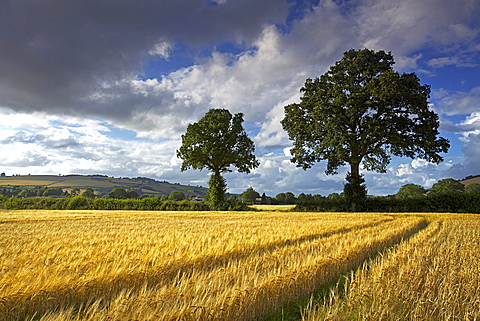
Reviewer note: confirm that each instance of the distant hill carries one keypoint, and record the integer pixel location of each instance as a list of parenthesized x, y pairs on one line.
[(100, 183), (470, 180)]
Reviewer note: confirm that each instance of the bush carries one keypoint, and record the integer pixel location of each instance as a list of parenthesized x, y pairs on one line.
[(146, 204), (451, 202), (79, 203)]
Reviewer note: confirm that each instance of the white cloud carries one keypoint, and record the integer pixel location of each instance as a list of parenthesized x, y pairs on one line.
[(404, 26), (470, 164), (162, 49), (459, 102), (95, 78)]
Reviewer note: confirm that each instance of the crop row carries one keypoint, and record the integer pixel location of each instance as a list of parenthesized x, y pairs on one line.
[(197, 266), (433, 276)]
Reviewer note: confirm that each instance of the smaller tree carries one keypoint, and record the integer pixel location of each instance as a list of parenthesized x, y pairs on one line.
[(410, 191), (290, 198), (217, 142), (250, 195), (280, 198), (162, 197), (448, 185), (122, 193), (334, 196), (176, 196), (304, 198), (88, 193), (264, 199), (131, 194), (75, 192)]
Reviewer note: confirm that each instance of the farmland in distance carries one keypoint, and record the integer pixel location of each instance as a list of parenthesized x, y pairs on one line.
[(102, 184), (113, 265)]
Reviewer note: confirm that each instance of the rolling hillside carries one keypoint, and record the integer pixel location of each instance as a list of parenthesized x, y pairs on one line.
[(470, 180), (102, 184)]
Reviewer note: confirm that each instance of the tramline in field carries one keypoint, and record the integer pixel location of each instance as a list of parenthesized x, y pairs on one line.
[(433, 276)]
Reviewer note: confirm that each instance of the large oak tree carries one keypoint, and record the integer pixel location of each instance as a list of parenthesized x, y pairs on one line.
[(217, 142), (360, 112)]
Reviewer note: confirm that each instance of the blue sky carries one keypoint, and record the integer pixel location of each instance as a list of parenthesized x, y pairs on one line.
[(106, 87)]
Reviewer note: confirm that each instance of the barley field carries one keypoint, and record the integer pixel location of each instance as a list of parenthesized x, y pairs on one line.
[(435, 275), (114, 265)]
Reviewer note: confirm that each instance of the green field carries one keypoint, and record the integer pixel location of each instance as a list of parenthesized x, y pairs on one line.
[(101, 183)]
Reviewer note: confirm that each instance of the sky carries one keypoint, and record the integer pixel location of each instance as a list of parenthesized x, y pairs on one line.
[(108, 87)]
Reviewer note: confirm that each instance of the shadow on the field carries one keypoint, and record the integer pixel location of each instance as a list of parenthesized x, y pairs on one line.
[(102, 291)]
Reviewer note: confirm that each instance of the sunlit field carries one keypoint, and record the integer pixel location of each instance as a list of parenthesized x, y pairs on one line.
[(433, 276), (111, 265), (273, 208)]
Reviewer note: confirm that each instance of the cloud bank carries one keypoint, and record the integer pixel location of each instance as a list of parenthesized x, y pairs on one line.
[(95, 86)]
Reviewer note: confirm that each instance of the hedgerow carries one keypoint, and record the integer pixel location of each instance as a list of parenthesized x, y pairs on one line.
[(451, 202)]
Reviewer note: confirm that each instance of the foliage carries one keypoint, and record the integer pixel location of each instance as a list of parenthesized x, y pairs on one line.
[(78, 202), (410, 191), (355, 192), (472, 188), (250, 195), (265, 199), (290, 198), (450, 202), (122, 193), (88, 193), (360, 112), (74, 185), (448, 185), (217, 187), (176, 196), (334, 196), (286, 198), (84, 203), (216, 142), (280, 198)]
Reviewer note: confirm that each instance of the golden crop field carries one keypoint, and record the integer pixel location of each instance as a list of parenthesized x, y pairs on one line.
[(433, 276), (113, 265)]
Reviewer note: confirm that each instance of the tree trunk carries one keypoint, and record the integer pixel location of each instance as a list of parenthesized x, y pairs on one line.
[(216, 190), (355, 192), (355, 175)]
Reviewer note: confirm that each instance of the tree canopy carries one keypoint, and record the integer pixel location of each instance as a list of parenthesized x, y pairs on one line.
[(88, 192), (361, 112), (217, 142), (122, 193), (176, 195), (250, 195), (410, 191), (447, 185)]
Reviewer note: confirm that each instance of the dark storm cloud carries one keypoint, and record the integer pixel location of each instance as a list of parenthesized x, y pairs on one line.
[(73, 56)]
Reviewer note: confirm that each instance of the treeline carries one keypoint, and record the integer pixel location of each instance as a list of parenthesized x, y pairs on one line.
[(451, 202), (86, 203), (445, 196), (117, 192), (32, 192)]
